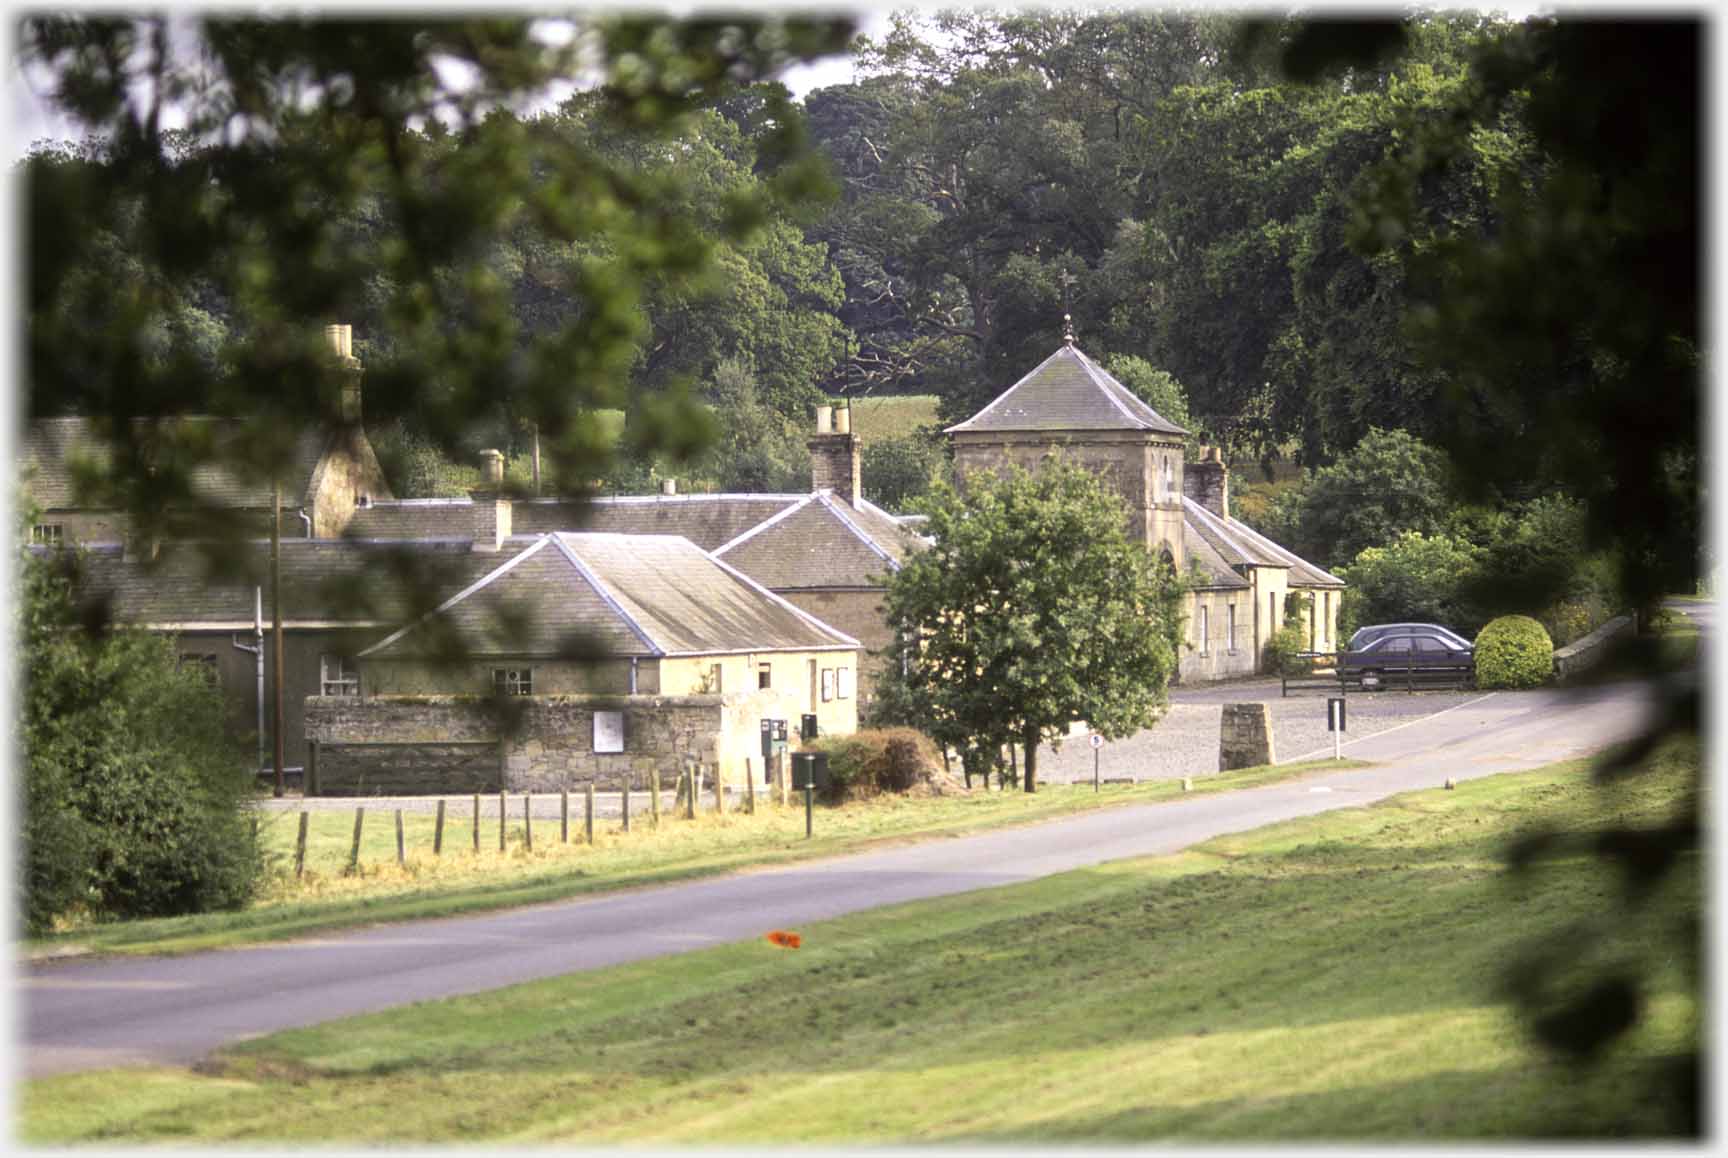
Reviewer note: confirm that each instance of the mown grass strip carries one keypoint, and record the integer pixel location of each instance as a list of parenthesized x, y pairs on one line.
[(1334, 977), (328, 897)]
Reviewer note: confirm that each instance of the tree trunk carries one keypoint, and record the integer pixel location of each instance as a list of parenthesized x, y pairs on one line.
[(1030, 739)]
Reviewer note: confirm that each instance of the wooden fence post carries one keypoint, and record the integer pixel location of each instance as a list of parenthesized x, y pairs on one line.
[(503, 813), (300, 844), (354, 853), (749, 788), (401, 845), (719, 791), (626, 800), (564, 815), (528, 819), (476, 824), (438, 831), (654, 796), (590, 815)]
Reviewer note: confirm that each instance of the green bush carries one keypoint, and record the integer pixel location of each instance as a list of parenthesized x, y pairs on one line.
[(135, 797), (1282, 649), (1513, 651), (873, 762)]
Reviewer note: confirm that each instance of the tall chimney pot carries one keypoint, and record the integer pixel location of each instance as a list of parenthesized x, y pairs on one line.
[(842, 420), (668, 486), (824, 419)]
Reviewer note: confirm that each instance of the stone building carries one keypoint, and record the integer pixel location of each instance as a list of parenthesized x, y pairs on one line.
[(829, 551), (1239, 579), (631, 654), (333, 470)]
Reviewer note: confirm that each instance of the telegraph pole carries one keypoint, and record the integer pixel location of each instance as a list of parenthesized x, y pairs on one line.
[(276, 625)]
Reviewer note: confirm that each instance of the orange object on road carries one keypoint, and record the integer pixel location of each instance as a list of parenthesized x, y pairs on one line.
[(784, 939)]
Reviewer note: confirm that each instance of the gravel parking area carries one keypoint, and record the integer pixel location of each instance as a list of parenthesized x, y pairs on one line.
[(1185, 741)]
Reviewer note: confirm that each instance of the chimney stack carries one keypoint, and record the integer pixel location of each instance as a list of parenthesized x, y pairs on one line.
[(1207, 482), (341, 341), (834, 455), (668, 486), (492, 510)]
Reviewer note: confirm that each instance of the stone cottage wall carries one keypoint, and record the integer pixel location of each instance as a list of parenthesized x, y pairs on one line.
[(543, 744)]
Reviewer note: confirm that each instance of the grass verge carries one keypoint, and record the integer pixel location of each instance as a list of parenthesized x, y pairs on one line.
[(1335, 977), (463, 881)]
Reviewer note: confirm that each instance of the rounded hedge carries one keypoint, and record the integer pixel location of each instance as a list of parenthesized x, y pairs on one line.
[(1513, 651)]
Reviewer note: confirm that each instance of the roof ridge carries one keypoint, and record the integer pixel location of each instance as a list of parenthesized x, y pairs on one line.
[(479, 583), (860, 533), (991, 405), (605, 593), (786, 603), (1101, 378), (768, 522)]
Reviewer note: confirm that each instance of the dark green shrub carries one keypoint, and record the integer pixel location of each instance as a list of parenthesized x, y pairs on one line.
[(1283, 648), (135, 796), (1513, 651), (874, 762)]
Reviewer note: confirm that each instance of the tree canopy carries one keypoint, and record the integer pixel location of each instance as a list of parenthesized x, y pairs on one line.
[(1031, 610)]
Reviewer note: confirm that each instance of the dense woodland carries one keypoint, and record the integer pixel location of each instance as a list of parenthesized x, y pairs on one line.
[(1264, 258)]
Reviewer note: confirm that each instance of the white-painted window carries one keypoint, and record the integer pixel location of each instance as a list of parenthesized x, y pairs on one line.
[(843, 683), (48, 534), (338, 676), (764, 675), (513, 681), (827, 684), (1205, 629), (1230, 616)]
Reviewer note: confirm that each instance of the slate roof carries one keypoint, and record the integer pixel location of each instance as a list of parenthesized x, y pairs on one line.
[(709, 521), (644, 595), (1238, 544), (1067, 391), (822, 541), (1216, 572), (323, 580), (51, 444)]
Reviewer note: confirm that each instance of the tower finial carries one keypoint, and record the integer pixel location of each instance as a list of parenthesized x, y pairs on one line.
[(1067, 279)]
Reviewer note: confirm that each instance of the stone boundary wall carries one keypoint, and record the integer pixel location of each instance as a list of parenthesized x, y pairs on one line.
[(1586, 653), (547, 743)]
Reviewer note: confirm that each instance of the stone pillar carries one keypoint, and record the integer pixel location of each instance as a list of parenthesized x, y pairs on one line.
[(1245, 737)]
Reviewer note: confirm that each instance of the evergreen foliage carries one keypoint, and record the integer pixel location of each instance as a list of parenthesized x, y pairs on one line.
[(1513, 652)]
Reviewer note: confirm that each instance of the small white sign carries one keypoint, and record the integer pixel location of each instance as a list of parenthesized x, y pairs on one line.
[(608, 731), (1097, 740)]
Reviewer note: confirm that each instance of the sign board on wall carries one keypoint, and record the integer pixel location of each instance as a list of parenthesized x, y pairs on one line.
[(608, 731)]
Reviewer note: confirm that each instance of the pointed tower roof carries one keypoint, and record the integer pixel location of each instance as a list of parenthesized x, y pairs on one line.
[(1068, 391)]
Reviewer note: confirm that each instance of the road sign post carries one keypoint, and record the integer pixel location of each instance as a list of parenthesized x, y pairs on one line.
[(1335, 725), (1097, 743)]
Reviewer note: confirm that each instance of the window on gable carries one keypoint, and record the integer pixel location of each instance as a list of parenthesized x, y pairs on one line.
[(764, 675), (48, 534), (1230, 615), (843, 683), (1205, 629), (203, 665), (338, 676), (513, 681)]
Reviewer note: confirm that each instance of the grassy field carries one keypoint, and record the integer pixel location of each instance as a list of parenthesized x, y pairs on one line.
[(1336, 977), (459, 880), (892, 416)]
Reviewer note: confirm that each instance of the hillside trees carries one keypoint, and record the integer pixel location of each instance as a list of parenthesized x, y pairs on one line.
[(1032, 610), (336, 171)]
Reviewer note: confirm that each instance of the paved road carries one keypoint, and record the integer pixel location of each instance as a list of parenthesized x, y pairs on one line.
[(89, 1014)]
